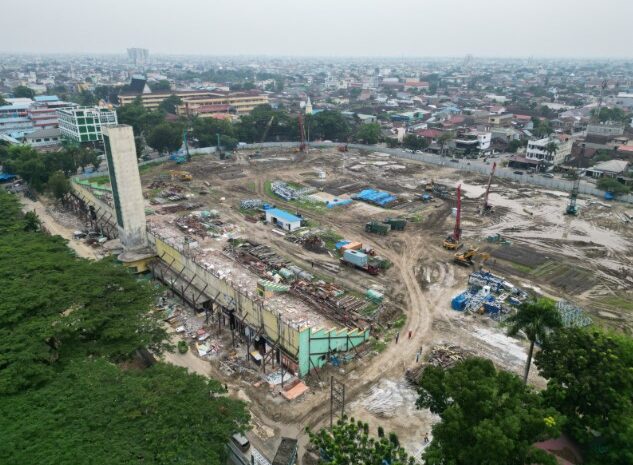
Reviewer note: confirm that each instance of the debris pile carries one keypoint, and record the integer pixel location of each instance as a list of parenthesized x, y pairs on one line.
[(443, 356), (289, 192)]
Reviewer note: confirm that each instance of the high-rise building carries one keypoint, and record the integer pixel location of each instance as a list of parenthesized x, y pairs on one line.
[(84, 124), (127, 192), (138, 56)]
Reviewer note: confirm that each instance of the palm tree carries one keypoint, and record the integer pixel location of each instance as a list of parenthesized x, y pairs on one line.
[(551, 148), (443, 139), (536, 318)]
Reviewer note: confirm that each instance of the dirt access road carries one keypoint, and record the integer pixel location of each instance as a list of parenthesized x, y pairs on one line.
[(54, 228)]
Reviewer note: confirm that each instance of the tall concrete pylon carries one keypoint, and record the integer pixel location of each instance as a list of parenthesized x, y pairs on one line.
[(125, 179)]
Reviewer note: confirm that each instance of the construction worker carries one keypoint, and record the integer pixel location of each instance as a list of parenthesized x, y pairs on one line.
[(417, 357), (410, 334), (397, 337)]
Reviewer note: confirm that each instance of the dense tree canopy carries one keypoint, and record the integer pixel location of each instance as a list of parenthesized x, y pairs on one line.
[(368, 133), (612, 185), (329, 125), (64, 323), (23, 92), (169, 104), (93, 412), (349, 443), (36, 167), (413, 142), (160, 86), (166, 137), (488, 417), (590, 380)]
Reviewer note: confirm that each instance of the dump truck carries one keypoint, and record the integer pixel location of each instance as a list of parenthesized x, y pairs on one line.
[(377, 228)]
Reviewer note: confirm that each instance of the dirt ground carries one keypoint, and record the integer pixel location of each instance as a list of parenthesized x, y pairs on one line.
[(585, 259)]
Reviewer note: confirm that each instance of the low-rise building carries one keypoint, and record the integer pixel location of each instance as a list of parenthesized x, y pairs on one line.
[(283, 219), (500, 121), (538, 150), (610, 168), (43, 138), (84, 124)]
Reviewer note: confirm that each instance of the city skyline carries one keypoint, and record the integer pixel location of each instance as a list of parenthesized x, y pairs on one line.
[(486, 29)]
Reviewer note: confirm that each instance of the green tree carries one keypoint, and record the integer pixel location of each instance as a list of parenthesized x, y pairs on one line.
[(3, 101), (205, 130), (165, 138), (23, 92), (85, 98), (536, 318), (488, 417), (329, 124), (349, 443), (590, 380), (413, 142), (612, 185), (58, 185), (514, 145), (369, 133), (444, 139), (551, 148), (94, 412), (63, 322), (169, 104), (542, 127), (160, 86), (32, 222)]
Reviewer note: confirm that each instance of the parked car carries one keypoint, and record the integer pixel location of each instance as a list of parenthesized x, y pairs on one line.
[(519, 172), (454, 160), (547, 175)]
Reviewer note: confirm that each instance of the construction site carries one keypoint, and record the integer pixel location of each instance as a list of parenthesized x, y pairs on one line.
[(289, 272)]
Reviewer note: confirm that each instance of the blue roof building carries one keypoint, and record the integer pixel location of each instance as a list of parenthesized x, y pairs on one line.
[(283, 219)]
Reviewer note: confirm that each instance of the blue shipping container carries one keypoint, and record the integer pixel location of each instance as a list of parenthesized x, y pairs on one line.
[(356, 258)]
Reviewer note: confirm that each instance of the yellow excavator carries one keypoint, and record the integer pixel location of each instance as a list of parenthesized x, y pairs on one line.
[(466, 258), (181, 175)]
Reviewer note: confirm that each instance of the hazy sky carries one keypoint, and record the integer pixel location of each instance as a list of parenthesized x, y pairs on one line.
[(539, 28)]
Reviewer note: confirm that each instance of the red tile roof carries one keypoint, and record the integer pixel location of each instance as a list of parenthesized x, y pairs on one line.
[(430, 133)]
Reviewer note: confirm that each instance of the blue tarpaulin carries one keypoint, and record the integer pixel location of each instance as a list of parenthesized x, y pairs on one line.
[(380, 198)]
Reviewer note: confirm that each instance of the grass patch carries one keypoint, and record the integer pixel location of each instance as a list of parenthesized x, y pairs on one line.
[(522, 268), (378, 345), (251, 186), (99, 180), (330, 238), (269, 189), (400, 322), (149, 166), (318, 207), (294, 185), (619, 302)]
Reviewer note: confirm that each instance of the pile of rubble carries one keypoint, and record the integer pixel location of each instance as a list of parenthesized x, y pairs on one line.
[(444, 356)]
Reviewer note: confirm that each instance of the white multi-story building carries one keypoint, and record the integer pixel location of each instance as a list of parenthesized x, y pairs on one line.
[(537, 149), (84, 124)]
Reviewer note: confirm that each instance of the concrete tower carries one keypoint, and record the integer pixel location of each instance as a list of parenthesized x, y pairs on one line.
[(126, 189), (309, 107)]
